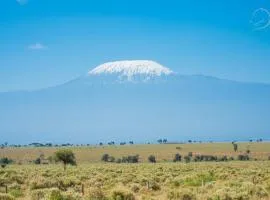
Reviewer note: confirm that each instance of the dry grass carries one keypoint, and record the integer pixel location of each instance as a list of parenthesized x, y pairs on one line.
[(163, 152), (235, 180)]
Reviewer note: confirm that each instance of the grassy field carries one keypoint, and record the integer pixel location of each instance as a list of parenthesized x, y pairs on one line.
[(203, 181), (93, 180), (163, 152)]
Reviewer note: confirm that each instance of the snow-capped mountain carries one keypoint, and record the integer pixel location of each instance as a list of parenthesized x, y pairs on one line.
[(137, 100), (129, 69)]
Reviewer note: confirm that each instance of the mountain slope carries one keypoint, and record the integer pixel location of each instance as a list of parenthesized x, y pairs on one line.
[(138, 106)]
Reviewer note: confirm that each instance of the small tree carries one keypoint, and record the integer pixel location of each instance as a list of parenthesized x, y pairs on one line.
[(160, 141), (66, 156), (152, 159), (235, 147)]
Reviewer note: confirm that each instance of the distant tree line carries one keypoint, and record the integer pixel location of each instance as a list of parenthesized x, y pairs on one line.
[(159, 141)]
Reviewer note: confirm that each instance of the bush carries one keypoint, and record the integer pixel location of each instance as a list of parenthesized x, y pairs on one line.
[(177, 158), (223, 158), (55, 195), (37, 161), (111, 159), (199, 158), (130, 159), (122, 195), (181, 195), (152, 159), (38, 194), (243, 157), (154, 186), (187, 159), (178, 148), (16, 192), (135, 188), (105, 157), (190, 154), (6, 197), (96, 194), (6, 161)]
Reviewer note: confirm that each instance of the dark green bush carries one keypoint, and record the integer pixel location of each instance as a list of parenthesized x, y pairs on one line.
[(6, 161), (152, 159), (177, 158), (243, 157), (105, 157)]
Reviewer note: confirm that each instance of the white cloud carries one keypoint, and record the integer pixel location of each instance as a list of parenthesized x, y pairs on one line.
[(37, 46), (22, 2)]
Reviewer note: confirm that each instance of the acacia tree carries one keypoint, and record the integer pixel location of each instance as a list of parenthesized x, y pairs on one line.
[(66, 156)]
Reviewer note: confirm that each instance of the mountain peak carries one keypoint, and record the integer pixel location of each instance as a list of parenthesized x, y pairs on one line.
[(131, 68)]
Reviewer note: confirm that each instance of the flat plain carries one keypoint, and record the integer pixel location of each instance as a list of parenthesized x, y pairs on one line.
[(93, 179), (163, 152)]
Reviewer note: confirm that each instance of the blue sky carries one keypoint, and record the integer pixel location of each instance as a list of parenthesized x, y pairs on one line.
[(47, 42)]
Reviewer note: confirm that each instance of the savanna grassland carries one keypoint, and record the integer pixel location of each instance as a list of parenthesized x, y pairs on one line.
[(92, 179), (163, 152)]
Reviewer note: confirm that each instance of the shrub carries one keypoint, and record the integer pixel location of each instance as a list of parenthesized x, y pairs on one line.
[(181, 195), (178, 148), (130, 159), (105, 157), (37, 161), (16, 192), (152, 159), (6, 197), (38, 194), (243, 157), (177, 158), (6, 161), (122, 195), (55, 195), (111, 159), (96, 194), (135, 188), (187, 159), (223, 158), (190, 154), (154, 186)]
